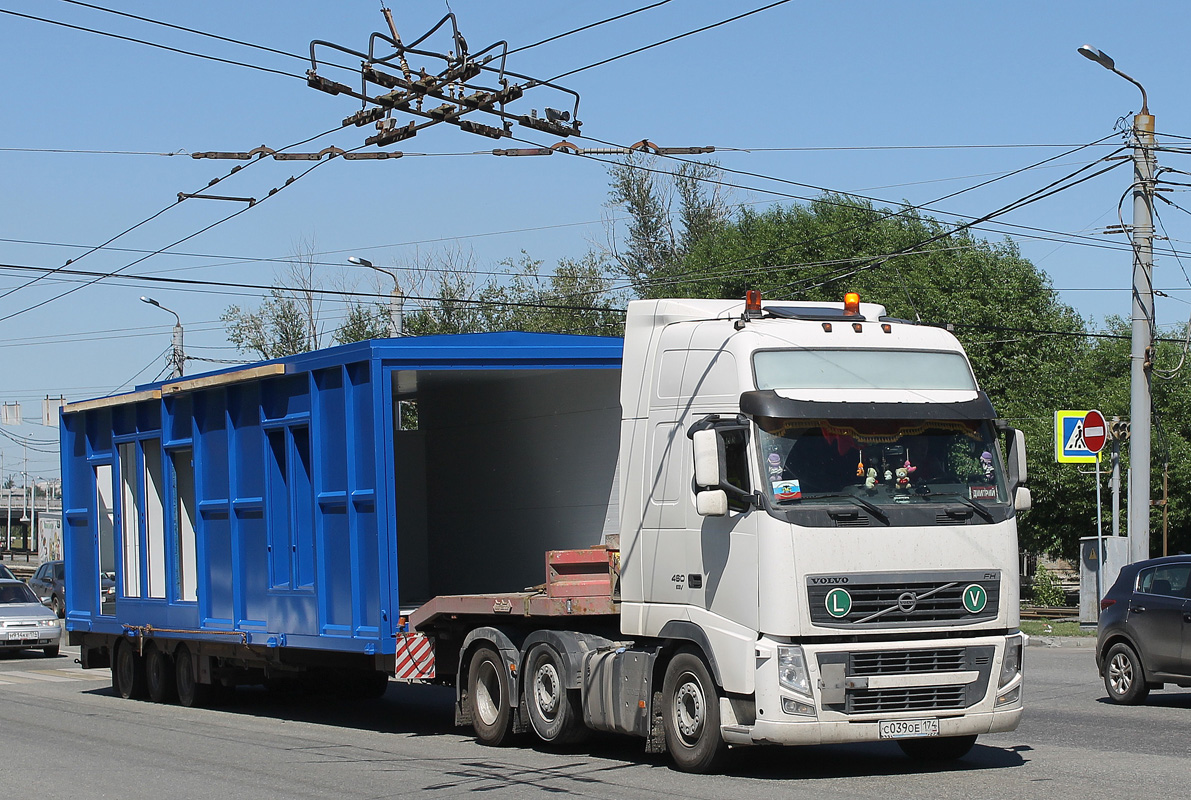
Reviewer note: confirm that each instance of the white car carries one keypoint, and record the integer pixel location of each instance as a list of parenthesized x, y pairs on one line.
[(24, 622)]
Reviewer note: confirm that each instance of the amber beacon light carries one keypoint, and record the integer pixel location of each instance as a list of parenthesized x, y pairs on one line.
[(851, 303)]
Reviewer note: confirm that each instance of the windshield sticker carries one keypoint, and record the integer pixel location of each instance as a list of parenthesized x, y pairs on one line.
[(787, 490), (982, 493)]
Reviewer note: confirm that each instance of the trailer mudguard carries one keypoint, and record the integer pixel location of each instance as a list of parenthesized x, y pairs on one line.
[(512, 655)]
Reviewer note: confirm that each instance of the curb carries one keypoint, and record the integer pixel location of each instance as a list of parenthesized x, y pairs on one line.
[(1087, 642)]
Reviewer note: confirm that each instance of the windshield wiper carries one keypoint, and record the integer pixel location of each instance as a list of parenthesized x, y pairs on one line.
[(977, 507), (860, 501)]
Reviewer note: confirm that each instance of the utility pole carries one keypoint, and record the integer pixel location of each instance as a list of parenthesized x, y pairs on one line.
[(177, 355), (396, 297), (1141, 350)]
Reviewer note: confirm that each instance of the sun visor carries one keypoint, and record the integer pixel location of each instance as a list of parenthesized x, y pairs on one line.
[(768, 403)]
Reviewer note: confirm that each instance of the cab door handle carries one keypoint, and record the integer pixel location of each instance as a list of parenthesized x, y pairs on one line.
[(1136, 609)]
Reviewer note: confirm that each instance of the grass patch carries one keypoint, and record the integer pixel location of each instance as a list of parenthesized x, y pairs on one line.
[(1039, 627)]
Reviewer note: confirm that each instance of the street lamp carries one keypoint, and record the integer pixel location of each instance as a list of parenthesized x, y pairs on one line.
[(396, 298), (1141, 350), (178, 358)]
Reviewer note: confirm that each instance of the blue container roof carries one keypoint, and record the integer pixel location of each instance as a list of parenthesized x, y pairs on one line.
[(503, 350)]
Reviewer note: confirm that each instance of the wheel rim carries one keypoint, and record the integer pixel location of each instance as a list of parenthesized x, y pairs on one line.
[(547, 691), (690, 704), (487, 693), (1120, 673)]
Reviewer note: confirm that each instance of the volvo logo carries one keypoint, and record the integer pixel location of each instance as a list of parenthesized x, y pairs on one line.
[(830, 579), (907, 602)]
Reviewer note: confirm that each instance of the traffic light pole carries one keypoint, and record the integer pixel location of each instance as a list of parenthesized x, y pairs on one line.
[(1141, 351)]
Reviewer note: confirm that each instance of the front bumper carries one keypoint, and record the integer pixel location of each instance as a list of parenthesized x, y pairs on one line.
[(856, 686), (46, 637)]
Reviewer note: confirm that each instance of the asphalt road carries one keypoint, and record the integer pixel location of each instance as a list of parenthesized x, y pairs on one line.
[(64, 734)]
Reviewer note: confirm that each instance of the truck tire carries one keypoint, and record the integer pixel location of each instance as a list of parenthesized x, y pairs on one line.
[(128, 673), (691, 714), (554, 711), (942, 748), (159, 676), (488, 694), (191, 693)]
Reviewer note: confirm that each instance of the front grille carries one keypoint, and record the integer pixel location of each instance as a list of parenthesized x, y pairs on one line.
[(928, 698), (845, 677), (903, 599), (897, 662), (858, 521)]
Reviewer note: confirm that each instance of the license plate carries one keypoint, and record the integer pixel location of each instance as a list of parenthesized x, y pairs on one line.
[(22, 636), (908, 728)]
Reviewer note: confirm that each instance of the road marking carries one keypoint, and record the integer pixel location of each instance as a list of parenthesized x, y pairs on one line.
[(38, 676)]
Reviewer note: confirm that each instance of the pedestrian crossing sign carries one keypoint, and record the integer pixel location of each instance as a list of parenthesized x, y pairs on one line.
[(1070, 447)]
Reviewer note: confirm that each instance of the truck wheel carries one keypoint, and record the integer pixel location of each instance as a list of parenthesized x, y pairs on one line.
[(159, 676), (691, 713), (554, 711), (1124, 677), (943, 748), (488, 694), (191, 693), (128, 673)]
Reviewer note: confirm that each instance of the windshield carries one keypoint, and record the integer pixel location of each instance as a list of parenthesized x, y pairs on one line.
[(16, 593), (879, 461)]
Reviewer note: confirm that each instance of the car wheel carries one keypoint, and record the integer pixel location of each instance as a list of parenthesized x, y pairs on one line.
[(128, 673), (159, 676), (942, 748), (51, 651), (554, 710), (488, 694), (691, 713), (191, 693), (1124, 677), (58, 607)]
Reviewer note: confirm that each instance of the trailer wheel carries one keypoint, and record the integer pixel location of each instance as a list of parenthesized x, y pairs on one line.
[(554, 711), (691, 713), (191, 693), (159, 676), (128, 672), (488, 693)]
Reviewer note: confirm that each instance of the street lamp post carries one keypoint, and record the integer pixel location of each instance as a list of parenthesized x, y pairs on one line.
[(396, 298), (1141, 350), (178, 357)]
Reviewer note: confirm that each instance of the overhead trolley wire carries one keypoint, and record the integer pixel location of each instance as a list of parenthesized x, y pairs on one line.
[(669, 40), (589, 26), (147, 43)]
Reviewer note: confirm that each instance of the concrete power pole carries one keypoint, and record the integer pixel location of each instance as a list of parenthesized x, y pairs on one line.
[(1141, 350)]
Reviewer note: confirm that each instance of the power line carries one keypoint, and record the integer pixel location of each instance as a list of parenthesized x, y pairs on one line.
[(580, 29), (151, 44), (670, 39)]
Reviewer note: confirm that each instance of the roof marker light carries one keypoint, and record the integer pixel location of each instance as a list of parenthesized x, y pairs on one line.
[(885, 326), (752, 304), (851, 303), (857, 327), (827, 327)]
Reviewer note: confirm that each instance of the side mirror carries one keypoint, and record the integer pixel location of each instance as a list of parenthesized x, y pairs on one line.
[(708, 449), (1021, 499), (1017, 459), (712, 503)]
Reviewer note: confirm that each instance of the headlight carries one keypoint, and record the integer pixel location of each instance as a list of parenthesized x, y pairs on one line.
[(791, 670), (51, 622), (1011, 664)]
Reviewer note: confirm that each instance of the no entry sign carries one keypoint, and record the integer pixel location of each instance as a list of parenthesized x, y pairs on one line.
[(1095, 432)]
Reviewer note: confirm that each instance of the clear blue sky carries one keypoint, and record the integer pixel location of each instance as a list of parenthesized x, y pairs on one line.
[(861, 75)]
